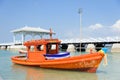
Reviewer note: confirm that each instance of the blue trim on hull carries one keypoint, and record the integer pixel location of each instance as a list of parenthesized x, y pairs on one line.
[(58, 55)]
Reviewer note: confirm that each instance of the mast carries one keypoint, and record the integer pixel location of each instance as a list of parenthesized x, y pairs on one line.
[(80, 12), (50, 33)]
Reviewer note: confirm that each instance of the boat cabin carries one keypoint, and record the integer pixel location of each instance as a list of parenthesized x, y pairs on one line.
[(38, 48)]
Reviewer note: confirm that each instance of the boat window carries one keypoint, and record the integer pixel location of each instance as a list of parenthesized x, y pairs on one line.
[(53, 46), (40, 47), (31, 48)]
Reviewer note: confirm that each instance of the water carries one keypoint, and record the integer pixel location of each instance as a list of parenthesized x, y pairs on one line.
[(10, 71)]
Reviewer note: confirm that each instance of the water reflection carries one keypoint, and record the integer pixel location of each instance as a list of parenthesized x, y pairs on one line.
[(37, 73)]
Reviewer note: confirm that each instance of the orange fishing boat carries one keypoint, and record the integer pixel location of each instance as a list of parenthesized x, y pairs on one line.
[(45, 53)]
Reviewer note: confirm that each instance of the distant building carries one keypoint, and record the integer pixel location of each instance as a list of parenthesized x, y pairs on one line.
[(23, 32), (32, 31)]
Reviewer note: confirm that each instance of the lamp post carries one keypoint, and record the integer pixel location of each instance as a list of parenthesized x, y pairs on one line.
[(80, 12)]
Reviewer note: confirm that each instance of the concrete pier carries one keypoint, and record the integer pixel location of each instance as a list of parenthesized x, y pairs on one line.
[(71, 48), (12, 46), (90, 47), (115, 48), (16, 47)]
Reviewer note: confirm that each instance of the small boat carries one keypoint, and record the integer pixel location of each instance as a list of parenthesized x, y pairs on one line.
[(45, 53), (22, 51)]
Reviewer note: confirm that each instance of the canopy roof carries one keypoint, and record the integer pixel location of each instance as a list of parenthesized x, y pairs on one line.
[(31, 29), (41, 41)]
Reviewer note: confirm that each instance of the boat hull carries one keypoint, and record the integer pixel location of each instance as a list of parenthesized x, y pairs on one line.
[(89, 64), (22, 60), (86, 62)]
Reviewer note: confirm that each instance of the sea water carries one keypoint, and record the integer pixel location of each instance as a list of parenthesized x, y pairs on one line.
[(10, 71)]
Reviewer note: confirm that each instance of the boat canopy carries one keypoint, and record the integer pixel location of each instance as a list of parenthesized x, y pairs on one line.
[(41, 41)]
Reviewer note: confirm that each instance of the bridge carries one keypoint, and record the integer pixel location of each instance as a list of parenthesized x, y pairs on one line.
[(93, 40), (6, 45), (97, 43)]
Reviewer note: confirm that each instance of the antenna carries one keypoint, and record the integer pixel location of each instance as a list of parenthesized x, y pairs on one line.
[(80, 12), (50, 33)]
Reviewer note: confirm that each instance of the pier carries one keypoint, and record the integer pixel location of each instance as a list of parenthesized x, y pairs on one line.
[(5, 45), (113, 44)]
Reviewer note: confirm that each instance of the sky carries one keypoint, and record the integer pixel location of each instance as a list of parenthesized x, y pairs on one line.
[(100, 18)]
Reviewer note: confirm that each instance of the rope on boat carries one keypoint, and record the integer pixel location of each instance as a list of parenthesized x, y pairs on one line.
[(105, 60), (103, 51)]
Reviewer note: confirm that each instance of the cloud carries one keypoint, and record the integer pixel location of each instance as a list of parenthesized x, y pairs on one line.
[(99, 30), (94, 30), (96, 26), (116, 26)]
